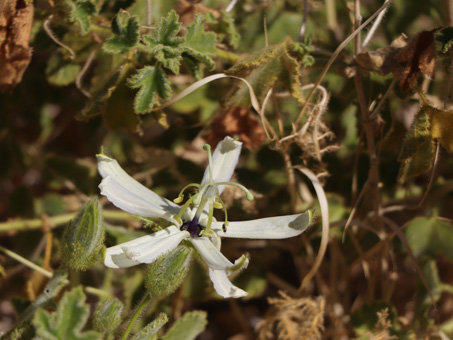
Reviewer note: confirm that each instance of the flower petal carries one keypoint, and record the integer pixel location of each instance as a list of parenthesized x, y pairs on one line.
[(224, 160), (115, 257), (131, 196), (223, 285), (210, 254), (266, 228), (147, 253)]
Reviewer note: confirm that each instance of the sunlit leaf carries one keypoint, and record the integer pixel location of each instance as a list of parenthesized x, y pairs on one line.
[(441, 128)]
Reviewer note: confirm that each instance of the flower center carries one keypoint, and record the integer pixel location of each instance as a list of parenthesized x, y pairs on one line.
[(193, 227)]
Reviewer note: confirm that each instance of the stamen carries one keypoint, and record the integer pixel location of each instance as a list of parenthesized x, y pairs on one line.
[(248, 194), (207, 148), (184, 208), (210, 214), (180, 197), (225, 224)]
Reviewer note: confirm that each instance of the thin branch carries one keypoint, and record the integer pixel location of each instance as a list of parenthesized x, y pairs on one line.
[(231, 5), (82, 72), (304, 22), (54, 38), (373, 28)]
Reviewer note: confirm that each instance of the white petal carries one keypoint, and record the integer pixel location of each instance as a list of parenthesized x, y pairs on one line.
[(210, 254), (266, 228), (147, 253), (116, 258), (223, 285), (224, 160), (131, 196)]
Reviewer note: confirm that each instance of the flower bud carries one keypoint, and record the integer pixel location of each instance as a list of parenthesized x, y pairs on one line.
[(107, 315), (166, 273), (83, 238)]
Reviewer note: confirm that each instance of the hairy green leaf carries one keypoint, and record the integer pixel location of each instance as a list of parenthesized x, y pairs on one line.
[(153, 83), (169, 27), (68, 320), (126, 35), (149, 331), (225, 28), (198, 39), (82, 11), (188, 327), (441, 122), (108, 315)]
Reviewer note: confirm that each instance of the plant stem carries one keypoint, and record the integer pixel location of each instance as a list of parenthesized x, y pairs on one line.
[(19, 225), (137, 313)]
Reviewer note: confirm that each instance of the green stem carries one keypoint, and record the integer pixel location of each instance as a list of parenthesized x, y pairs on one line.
[(137, 313), (37, 223), (29, 264)]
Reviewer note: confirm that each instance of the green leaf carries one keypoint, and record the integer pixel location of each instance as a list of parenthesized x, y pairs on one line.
[(153, 83), (60, 72), (188, 327), (445, 36), (81, 12), (149, 332), (167, 30), (68, 320), (225, 28), (167, 272), (126, 34), (418, 148), (83, 238), (198, 39), (441, 125), (430, 236), (107, 315)]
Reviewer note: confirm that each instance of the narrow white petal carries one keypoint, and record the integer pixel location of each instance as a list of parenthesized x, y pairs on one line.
[(224, 160), (115, 257), (266, 228), (223, 285), (147, 253), (210, 254), (131, 196)]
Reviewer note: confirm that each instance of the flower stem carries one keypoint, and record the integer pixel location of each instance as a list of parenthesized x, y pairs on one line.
[(137, 313)]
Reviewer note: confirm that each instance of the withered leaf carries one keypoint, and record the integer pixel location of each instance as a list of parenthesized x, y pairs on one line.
[(16, 18), (237, 121), (419, 57), (382, 61)]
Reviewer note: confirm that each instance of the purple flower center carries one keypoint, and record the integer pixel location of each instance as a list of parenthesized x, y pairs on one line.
[(193, 227)]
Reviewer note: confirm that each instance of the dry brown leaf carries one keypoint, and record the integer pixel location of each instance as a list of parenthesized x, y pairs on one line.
[(420, 58), (382, 61), (16, 18), (240, 122), (187, 9)]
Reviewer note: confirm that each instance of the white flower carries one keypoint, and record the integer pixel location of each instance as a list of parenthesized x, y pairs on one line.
[(196, 224)]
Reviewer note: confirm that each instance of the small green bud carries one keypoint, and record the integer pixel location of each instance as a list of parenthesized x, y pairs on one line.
[(149, 331), (107, 315), (166, 273), (83, 238)]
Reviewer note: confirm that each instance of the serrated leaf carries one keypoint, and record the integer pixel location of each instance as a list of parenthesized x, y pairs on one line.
[(198, 39), (82, 11), (149, 331), (282, 62), (430, 236), (60, 72), (441, 126), (126, 35), (68, 320), (168, 29), (445, 36), (153, 83), (225, 28), (83, 238), (188, 327)]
